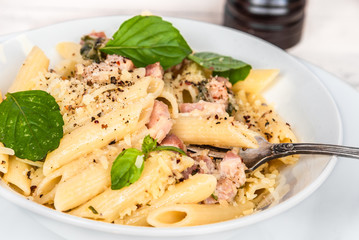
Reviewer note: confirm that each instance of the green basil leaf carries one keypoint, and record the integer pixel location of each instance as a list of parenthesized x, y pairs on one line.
[(148, 39), (148, 144), (31, 124), (224, 66), (122, 168), (136, 172), (169, 148)]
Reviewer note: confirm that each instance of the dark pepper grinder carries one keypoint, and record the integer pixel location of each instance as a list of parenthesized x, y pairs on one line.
[(277, 21)]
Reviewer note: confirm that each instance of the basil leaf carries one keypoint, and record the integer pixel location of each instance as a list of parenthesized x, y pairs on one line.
[(148, 144), (148, 39), (169, 148), (31, 124), (123, 169), (224, 66)]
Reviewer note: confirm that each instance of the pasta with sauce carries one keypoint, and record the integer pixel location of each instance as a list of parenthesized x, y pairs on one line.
[(111, 106)]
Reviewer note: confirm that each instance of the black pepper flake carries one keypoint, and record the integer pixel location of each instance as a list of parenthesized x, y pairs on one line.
[(218, 122), (33, 188), (266, 124), (113, 142), (96, 121), (28, 174), (3, 162), (216, 117), (247, 118), (178, 161), (195, 171), (113, 80), (41, 195), (99, 114), (93, 119), (94, 160), (268, 135)]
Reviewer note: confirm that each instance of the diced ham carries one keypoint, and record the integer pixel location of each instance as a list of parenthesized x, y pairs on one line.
[(224, 80), (230, 173), (190, 171), (174, 141), (98, 34), (155, 70), (207, 108), (232, 167), (226, 190), (206, 164), (160, 121), (120, 62), (218, 90)]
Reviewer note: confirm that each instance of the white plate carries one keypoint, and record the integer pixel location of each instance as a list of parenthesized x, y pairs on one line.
[(299, 96)]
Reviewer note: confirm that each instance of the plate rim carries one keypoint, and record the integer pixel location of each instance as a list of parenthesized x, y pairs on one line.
[(38, 209)]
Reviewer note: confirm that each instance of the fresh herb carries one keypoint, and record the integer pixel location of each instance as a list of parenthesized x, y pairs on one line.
[(128, 166), (148, 39), (169, 148), (124, 167), (203, 93), (234, 70), (31, 124), (148, 144), (214, 197), (93, 210), (91, 48)]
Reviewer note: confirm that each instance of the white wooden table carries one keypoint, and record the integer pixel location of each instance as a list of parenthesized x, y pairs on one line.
[(330, 39)]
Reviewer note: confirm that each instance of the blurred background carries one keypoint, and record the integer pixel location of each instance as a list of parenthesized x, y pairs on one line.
[(330, 37)]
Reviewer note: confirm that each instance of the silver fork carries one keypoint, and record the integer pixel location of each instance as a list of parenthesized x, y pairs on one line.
[(255, 157)]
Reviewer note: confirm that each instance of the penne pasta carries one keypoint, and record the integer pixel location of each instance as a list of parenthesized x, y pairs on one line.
[(182, 215), (82, 187), (194, 130), (114, 126), (18, 176), (113, 204), (193, 190), (257, 80), (36, 62)]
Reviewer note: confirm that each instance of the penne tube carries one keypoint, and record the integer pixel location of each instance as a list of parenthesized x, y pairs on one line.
[(182, 215), (193, 190), (50, 181), (35, 63), (82, 187), (205, 131), (69, 51), (18, 175), (113, 126), (257, 80), (155, 178)]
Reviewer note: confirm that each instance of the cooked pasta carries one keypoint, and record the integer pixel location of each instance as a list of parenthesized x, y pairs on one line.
[(110, 108)]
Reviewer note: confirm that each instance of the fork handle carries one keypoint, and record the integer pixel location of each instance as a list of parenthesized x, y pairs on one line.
[(253, 159), (286, 149)]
